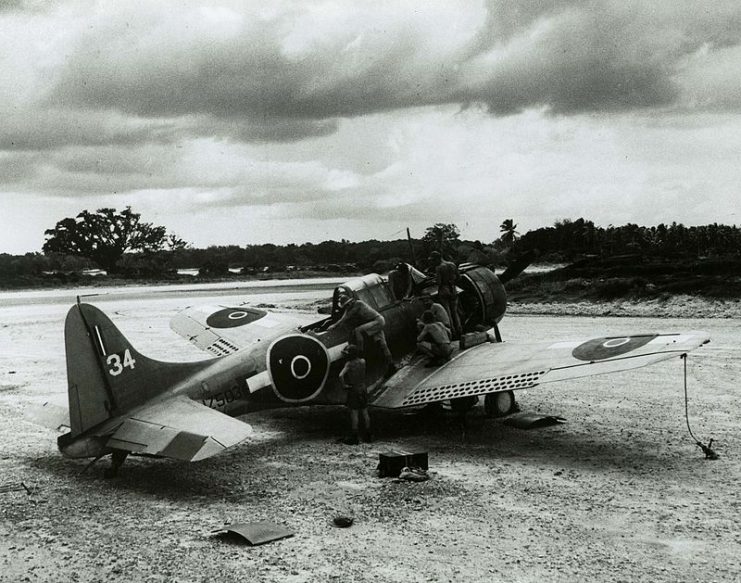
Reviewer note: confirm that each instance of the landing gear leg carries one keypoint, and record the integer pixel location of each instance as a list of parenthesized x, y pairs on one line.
[(117, 459), (460, 407)]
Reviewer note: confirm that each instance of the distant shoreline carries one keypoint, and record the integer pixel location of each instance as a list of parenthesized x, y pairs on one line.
[(679, 306), (529, 299)]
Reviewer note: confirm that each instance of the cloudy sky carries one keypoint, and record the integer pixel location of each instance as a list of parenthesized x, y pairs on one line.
[(237, 122)]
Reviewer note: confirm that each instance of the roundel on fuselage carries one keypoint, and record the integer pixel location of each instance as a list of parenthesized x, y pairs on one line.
[(602, 348), (298, 367), (233, 317)]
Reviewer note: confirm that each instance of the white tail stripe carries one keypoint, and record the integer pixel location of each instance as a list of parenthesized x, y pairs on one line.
[(100, 341)]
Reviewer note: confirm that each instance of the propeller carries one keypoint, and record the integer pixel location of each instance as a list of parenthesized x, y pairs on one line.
[(517, 267)]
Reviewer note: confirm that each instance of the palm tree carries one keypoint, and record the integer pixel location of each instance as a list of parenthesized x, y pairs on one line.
[(508, 228)]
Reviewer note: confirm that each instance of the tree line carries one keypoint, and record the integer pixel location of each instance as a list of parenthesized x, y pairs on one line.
[(125, 246), (568, 239)]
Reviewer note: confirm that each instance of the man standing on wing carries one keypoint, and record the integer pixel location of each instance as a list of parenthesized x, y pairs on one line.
[(446, 274)]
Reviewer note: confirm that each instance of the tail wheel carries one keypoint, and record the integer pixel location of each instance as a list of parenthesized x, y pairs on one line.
[(499, 404)]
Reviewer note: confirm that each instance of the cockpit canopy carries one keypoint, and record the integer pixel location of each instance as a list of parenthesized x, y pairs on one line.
[(371, 289)]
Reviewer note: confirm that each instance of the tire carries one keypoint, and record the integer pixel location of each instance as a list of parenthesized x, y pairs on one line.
[(499, 404)]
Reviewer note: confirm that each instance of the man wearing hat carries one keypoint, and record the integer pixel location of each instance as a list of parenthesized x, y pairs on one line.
[(352, 377), (446, 273), (367, 322)]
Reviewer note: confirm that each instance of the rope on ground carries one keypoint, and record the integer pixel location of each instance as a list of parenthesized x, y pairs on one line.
[(706, 449)]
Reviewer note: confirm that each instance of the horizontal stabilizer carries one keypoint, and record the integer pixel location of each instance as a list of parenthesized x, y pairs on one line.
[(179, 428), (222, 330)]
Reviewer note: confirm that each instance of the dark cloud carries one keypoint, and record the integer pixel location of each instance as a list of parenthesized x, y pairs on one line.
[(261, 129), (10, 5), (567, 57), (249, 76), (54, 129), (16, 168)]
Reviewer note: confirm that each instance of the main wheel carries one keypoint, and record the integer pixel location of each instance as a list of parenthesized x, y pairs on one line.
[(499, 404)]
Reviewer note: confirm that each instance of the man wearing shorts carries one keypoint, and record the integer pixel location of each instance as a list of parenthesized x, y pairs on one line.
[(446, 274), (352, 377)]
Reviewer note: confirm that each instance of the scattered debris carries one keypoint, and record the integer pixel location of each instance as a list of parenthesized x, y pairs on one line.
[(413, 474), (256, 533), (533, 420), (391, 463), (17, 487), (343, 521)]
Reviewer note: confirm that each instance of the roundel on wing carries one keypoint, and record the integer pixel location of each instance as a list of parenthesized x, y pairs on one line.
[(298, 366), (233, 317), (602, 348)]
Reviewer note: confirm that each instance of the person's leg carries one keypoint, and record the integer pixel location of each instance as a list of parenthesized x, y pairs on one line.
[(425, 348), (381, 339), (455, 321), (354, 422), (367, 423), (359, 339), (369, 329)]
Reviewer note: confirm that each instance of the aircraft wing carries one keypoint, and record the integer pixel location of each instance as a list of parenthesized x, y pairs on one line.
[(222, 330), (504, 366), (178, 428)]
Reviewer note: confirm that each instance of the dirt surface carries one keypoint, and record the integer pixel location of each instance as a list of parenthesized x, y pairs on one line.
[(618, 493)]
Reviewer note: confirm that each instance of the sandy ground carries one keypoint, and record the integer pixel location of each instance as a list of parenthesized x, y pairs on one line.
[(618, 493)]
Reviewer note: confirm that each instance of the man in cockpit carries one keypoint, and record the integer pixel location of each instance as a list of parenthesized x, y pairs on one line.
[(367, 322)]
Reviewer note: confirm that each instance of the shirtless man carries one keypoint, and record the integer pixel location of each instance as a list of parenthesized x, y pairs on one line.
[(446, 273), (400, 282), (441, 315), (434, 340), (353, 380)]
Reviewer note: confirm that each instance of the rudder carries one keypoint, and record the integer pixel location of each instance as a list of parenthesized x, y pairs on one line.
[(106, 376)]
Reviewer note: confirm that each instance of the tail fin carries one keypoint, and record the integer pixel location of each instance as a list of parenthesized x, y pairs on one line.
[(106, 375)]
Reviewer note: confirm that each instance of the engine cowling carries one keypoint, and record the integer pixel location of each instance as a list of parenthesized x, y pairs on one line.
[(483, 300), (298, 366)]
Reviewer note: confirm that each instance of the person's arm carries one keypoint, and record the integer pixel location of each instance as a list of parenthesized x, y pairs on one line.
[(341, 321), (439, 333), (343, 372), (423, 334)]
